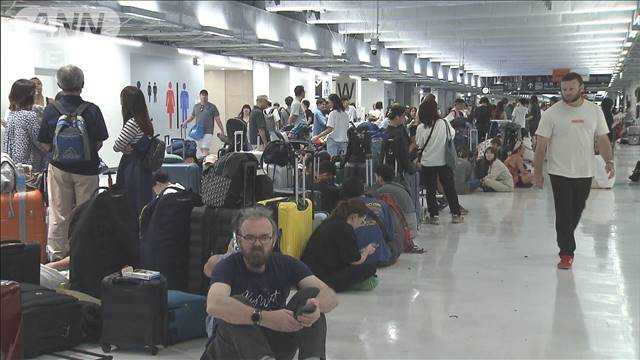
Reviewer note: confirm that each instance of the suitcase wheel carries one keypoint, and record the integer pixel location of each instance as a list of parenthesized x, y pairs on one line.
[(152, 349), (106, 348)]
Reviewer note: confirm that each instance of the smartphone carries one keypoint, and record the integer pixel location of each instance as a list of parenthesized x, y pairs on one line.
[(307, 309)]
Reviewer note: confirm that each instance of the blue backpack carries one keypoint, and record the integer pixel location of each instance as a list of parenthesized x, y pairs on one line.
[(71, 142)]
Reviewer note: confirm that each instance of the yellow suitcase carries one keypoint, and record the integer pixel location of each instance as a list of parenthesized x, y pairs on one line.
[(294, 216)]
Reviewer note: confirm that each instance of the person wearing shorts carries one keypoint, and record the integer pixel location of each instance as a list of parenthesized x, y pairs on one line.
[(205, 113)]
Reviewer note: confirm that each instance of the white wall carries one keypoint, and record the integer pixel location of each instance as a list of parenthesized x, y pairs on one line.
[(372, 92), (260, 80), (304, 78), (106, 67), (279, 85)]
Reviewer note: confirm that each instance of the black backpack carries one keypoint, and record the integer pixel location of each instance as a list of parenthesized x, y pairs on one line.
[(359, 145), (230, 182), (154, 157), (164, 235), (279, 153)]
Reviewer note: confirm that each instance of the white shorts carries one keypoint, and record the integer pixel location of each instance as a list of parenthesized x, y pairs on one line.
[(205, 142)]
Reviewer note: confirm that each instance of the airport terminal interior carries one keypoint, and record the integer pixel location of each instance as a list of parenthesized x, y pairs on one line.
[(320, 179)]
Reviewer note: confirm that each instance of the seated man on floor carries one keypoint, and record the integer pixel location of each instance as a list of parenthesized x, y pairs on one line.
[(333, 254), (248, 299), (385, 178)]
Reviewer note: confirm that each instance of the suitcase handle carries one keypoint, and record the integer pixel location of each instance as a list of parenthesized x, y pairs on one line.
[(14, 244)]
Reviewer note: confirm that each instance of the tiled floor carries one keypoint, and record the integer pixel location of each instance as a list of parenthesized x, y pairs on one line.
[(490, 288)]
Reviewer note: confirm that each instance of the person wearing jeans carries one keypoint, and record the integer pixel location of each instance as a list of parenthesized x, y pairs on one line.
[(565, 136), (70, 183), (431, 138), (248, 298), (337, 126)]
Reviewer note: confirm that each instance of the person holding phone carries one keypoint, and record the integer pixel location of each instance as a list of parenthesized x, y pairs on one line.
[(332, 252), (248, 299)]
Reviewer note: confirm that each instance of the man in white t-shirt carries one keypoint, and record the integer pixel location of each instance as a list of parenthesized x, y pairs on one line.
[(297, 112), (519, 114), (566, 133)]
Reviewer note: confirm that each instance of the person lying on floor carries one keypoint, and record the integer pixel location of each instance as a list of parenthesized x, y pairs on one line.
[(248, 299), (332, 252), (498, 179)]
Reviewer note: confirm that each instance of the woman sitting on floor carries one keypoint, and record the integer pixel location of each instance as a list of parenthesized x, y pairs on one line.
[(498, 179), (332, 251)]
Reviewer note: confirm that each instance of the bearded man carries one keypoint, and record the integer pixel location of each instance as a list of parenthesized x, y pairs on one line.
[(248, 299)]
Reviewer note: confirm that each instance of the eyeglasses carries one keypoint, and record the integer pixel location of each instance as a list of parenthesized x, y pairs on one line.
[(264, 239)]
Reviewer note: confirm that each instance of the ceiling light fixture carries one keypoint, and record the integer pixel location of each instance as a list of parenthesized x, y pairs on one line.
[(270, 43), (127, 42), (388, 82), (277, 66), (333, 74), (142, 13), (372, 79), (190, 52), (215, 31), (353, 77)]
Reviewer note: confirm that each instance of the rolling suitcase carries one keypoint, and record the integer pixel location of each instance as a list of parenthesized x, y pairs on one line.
[(23, 217), (294, 216), (10, 320), (211, 230), (164, 235), (20, 261), (51, 321), (187, 316), (134, 313), (187, 175)]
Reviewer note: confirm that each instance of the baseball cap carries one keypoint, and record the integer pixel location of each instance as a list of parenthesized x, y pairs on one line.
[(262, 97)]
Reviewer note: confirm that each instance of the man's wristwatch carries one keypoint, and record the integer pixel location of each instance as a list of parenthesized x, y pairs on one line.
[(256, 317)]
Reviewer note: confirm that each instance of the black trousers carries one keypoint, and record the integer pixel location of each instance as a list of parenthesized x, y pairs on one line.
[(344, 279), (483, 130), (255, 342), (569, 196), (445, 174)]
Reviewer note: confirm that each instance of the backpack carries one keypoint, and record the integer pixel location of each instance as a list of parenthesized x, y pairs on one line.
[(230, 182), (359, 145), (154, 157), (8, 173), (510, 135), (460, 121), (71, 143), (278, 153), (403, 231)]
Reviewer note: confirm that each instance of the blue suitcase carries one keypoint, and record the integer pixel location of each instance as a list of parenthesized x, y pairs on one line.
[(187, 315), (188, 175)]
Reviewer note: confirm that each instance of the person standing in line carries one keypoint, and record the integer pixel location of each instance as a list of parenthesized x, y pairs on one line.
[(483, 118), (258, 123), (297, 115), (431, 138), (23, 125), (206, 114), (350, 109), (566, 133), (70, 182), (337, 126), (319, 119), (133, 142)]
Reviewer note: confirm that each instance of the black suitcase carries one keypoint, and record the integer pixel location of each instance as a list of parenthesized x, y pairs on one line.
[(211, 231), (164, 235), (20, 261), (103, 239), (134, 313), (51, 321)]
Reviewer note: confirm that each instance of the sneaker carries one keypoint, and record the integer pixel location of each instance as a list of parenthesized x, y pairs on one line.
[(565, 262), (463, 211), (432, 220), (457, 219)]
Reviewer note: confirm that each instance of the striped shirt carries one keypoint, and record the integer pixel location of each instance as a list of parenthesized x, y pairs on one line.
[(129, 135)]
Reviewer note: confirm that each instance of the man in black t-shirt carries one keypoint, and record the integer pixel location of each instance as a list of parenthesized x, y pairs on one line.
[(483, 118), (248, 299)]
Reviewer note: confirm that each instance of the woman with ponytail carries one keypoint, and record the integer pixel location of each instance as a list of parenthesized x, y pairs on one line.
[(332, 251)]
